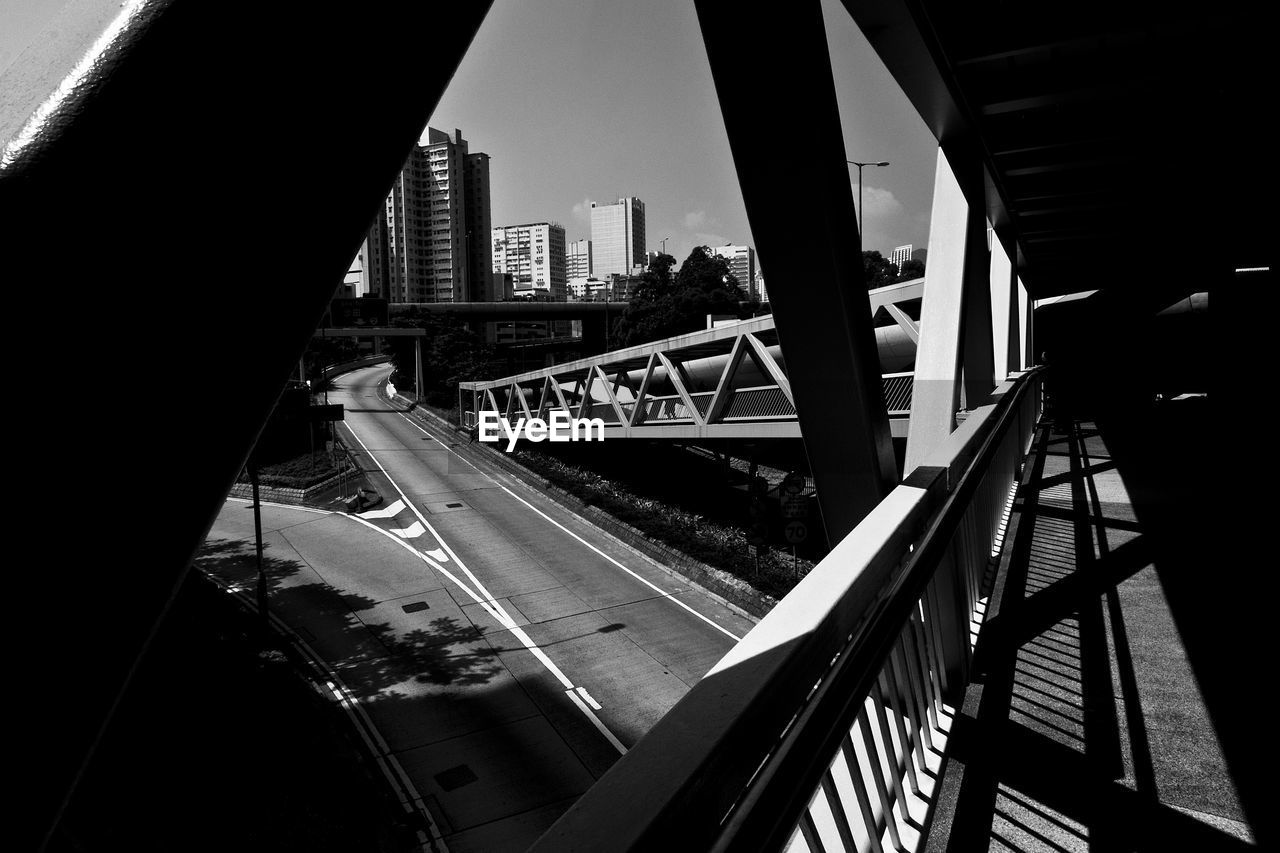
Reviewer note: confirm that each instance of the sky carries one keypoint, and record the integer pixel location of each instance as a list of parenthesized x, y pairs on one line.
[(590, 100)]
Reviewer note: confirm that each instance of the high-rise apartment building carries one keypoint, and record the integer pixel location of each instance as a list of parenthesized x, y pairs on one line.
[(617, 237), (534, 255), (430, 242), (577, 259), (742, 263), (901, 255)]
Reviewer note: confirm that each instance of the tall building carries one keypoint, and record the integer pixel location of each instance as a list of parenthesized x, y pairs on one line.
[(901, 255), (617, 237), (430, 242), (758, 289), (577, 259), (534, 255), (742, 263)]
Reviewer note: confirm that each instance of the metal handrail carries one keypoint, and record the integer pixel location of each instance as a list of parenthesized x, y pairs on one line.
[(734, 764)]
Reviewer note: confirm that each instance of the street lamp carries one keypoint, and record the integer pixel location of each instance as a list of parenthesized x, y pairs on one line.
[(860, 165)]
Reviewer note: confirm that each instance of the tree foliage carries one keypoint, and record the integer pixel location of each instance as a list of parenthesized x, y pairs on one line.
[(879, 271), (451, 353), (664, 305)]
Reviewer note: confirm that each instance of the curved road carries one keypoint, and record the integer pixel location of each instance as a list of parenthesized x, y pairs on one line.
[(507, 650)]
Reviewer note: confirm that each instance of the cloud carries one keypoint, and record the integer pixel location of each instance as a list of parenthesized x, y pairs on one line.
[(582, 210), (696, 219), (880, 203)]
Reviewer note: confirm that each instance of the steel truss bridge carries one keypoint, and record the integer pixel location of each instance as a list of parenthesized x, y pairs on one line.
[(726, 382)]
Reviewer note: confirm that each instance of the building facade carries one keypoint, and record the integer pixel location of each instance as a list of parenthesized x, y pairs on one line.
[(618, 237), (577, 260), (742, 263), (900, 255), (534, 256), (430, 242)]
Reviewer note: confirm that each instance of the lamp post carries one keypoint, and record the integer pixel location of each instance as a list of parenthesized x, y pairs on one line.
[(860, 165)]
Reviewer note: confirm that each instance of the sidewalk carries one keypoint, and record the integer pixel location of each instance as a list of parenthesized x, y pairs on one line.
[(1086, 727)]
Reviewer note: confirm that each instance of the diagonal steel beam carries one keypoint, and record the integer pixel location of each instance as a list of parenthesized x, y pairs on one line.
[(724, 386), (911, 327), (770, 367), (637, 413), (675, 376), (608, 392), (819, 298)]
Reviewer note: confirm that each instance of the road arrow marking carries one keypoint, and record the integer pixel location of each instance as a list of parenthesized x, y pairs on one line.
[(386, 512), (413, 531)]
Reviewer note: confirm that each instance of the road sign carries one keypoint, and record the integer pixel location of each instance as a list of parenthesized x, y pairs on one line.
[(794, 506), (793, 483), (796, 532), (365, 311)]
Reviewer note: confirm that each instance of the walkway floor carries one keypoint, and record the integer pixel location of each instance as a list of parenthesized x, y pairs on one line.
[(1086, 727)]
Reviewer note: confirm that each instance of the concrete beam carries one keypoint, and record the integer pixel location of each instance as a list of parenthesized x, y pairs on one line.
[(817, 291)]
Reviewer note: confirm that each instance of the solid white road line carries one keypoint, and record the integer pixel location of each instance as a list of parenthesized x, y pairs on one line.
[(669, 596), (517, 632), (657, 589)]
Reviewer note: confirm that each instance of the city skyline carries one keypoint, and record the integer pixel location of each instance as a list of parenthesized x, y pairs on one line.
[(618, 101)]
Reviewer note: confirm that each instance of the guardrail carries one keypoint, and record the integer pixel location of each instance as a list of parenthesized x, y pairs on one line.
[(825, 727)]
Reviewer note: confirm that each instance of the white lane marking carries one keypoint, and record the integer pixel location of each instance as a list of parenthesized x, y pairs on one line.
[(582, 691), (413, 531), (516, 631), (591, 715), (437, 554), (283, 506), (657, 589), (386, 512), (484, 603)]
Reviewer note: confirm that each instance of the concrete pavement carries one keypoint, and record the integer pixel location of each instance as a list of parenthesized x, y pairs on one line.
[(506, 650)]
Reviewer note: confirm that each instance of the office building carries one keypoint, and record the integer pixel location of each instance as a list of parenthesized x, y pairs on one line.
[(742, 263), (534, 255), (430, 243), (577, 260), (900, 256), (617, 237)]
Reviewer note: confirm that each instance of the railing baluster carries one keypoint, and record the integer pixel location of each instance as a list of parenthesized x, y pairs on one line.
[(860, 791), (877, 776), (892, 686), (837, 809), (894, 779), (810, 832), (933, 623), (901, 694), (910, 637)]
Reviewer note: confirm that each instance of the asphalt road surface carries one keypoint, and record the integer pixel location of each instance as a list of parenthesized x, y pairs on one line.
[(507, 651)]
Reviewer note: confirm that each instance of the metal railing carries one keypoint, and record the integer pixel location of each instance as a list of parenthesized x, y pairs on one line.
[(825, 727)]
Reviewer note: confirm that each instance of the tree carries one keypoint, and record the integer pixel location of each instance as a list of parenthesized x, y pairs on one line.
[(878, 270), (911, 269), (663, 307), (451, 353)]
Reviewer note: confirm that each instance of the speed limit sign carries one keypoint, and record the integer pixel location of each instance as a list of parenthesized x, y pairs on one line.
[(796, 532)]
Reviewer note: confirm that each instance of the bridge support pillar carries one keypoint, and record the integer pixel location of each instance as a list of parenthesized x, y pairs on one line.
[(955, 316), (1005, 314), (817, 290), (417, 367)]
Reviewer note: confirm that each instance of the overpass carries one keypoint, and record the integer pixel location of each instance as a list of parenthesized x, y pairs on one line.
[(844, 721), (726, 382)]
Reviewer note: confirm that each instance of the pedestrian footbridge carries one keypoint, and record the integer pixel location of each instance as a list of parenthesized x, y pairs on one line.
[(725, 382)]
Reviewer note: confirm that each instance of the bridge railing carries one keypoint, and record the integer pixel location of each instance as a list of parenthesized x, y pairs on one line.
[(824, 728)]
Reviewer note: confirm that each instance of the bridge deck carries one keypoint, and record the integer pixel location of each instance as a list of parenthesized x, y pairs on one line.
[(1086, 726)]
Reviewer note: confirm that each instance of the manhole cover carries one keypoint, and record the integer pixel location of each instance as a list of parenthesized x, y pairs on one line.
[(455, 777), (416, 606)]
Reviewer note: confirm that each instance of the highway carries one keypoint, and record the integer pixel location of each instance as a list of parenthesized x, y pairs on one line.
[(507, 651)]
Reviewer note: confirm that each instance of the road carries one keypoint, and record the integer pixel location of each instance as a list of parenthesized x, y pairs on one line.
[(507, 651)]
